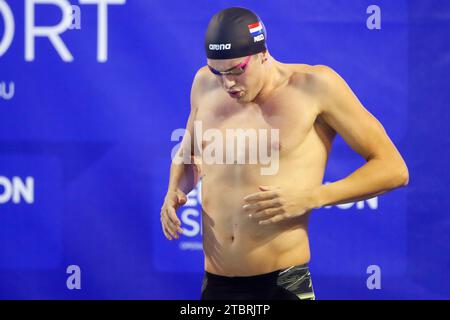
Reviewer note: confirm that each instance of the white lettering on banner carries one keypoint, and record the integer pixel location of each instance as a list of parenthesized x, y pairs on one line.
[(53, 32), (102, 32), (372, 203), (194, 224), (5, 93), (76, 18), (184, 245), (193, 198), (17, 190), (8, 33), (191, 220)]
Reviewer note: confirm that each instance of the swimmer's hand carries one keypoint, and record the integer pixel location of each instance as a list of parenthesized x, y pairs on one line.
[(170, 223), (274, 204)]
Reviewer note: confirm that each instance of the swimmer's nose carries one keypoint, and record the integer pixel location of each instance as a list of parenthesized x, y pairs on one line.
[(228, 83)]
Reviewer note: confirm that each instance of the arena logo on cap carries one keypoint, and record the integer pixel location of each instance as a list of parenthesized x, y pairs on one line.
[(221, 46), (256, 30)]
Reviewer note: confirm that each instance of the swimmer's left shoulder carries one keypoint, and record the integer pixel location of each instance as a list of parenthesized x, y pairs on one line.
[(312, 77)]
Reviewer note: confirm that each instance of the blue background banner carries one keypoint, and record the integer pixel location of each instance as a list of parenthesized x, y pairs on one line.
[(95, 139)]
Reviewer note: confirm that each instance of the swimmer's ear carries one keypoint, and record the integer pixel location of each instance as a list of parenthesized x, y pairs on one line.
[(264, 57)]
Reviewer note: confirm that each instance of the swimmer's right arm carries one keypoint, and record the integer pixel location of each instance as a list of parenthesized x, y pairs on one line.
[(183, 176)]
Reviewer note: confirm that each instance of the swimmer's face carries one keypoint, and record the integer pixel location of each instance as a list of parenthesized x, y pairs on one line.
[(242, 77)]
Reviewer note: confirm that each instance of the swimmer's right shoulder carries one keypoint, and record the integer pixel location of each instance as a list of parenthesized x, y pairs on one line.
[(203, 83), (204, 80)]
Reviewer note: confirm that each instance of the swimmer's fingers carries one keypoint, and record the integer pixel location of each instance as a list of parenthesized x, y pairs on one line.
[(264, 214), (164, 228), (169, 226), (173, 216), (262, 205), (173, 228), (168, 230), (173, 221), (166, 233), (275, 219)]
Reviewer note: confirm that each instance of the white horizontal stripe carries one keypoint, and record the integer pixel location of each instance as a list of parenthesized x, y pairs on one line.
[(256, 29)]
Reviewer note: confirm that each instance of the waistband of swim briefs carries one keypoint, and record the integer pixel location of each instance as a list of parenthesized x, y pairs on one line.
[(260, 279)]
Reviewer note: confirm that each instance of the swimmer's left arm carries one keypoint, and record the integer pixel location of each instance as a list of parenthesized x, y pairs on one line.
[(384, 169)]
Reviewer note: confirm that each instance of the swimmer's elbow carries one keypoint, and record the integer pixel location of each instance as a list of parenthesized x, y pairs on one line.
[(398, 170), (396, 174), (404, 177)]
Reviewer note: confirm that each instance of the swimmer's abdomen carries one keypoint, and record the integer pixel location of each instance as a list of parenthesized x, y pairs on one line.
[(233, 243)]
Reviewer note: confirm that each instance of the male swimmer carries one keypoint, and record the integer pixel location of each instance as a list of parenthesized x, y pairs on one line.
[(255, 226)]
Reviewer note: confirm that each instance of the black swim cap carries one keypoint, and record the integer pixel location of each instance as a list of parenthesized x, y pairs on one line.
[(233, 33)]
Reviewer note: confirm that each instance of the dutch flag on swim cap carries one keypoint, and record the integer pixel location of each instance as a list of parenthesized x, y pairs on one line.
[(255, 29)]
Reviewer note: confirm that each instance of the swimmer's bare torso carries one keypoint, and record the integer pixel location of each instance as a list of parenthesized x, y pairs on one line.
[(308, 105), (235, 245)]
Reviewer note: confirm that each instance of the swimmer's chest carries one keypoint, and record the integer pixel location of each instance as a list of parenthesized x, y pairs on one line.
[(285, 119)]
